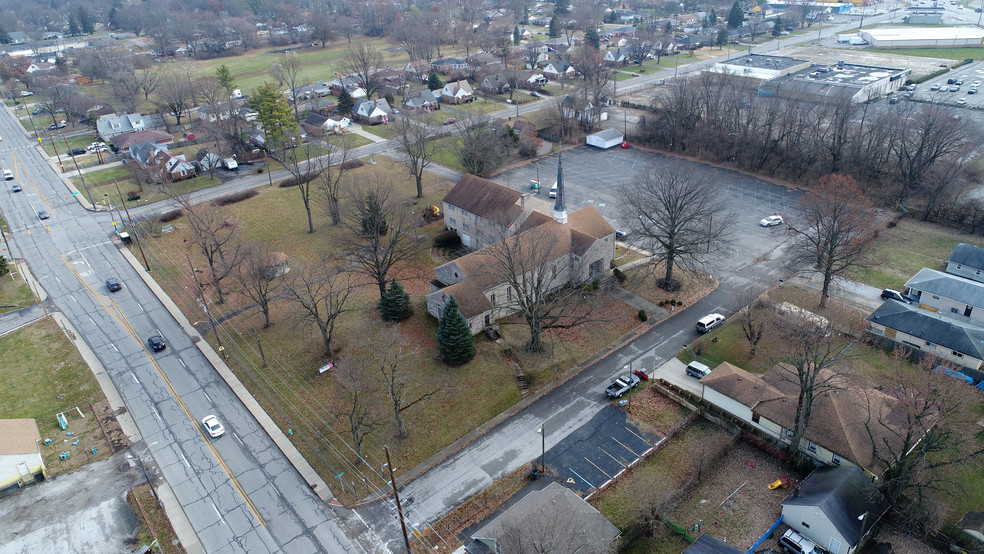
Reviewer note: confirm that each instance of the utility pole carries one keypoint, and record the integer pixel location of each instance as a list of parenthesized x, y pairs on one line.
[(77, 168), (132, 228), (399, 508)]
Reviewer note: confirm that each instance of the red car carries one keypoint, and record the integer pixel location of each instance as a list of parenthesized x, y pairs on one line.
[(624, 144), (449, 121)]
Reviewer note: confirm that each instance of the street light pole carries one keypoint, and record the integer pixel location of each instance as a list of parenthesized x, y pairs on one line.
[(543, 449)]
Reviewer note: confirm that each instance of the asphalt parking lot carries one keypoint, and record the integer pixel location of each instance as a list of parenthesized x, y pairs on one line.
[(599, 450), (969, 74), (593, 177)]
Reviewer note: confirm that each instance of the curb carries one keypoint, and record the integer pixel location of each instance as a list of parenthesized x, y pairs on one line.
[(314, 481)]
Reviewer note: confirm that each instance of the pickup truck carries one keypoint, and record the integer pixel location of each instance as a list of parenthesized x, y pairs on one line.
[(622, 385)]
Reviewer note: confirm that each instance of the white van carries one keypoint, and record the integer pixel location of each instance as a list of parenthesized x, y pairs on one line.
[(791, 541), (553, 191), (697, 369), (709, 322), (8, 175)]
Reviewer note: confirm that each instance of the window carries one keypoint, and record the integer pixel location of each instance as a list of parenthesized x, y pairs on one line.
[(787, 433), (805, 524), (812, 448), (954, 311), (978, 272), (755, 418), (956, 354), (930, 344), (453, 222), (835, 459), (466, 226), (936, 297)]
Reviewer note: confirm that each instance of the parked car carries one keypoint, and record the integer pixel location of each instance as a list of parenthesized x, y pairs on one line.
[(936, 86), (697, 369), (26, 93), (771, 221), (113, 284), (59, 125), (212, 426), (892, 294), (76, 151), (534, 94), (972, 91), (449, 121), (39, 111), (620, 234), (955, 88), (962, 102), (156, 343), (622, 385), (709, 322), (791, 541)]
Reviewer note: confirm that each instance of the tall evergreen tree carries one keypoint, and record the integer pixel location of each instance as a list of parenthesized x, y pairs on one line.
[(4, 37), (395, 304), (777, 27), (454, 339), (591, 37), (722, 38), (226, 81), (85, 21), (433, 81), (736, 16), (73, 25), (554, 30), (345, 102), (712, 18), (516, 36)]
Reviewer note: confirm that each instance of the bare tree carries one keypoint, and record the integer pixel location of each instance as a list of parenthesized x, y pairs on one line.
[(482, 145), (539, 282), (554, 531), (322, 291), (175, 94), (929, 426), (323, 27), (261, 277), (837, 229), (149, 80), (363, 62), (125, 86), (392, 354), (331, 168), (679, 215), (380, 230), (926, 135), (415, 141), (754, 316), (215, 235), (288, 71), (359, 409)]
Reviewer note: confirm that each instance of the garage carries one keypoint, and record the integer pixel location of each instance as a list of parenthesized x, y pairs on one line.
[(605, 139)]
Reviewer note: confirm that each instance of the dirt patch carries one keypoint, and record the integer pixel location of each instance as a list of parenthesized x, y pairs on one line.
[(642, 281), (87, 439), (154, 524)]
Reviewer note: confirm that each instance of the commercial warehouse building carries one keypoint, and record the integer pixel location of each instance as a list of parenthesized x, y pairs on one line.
[(916, 37)]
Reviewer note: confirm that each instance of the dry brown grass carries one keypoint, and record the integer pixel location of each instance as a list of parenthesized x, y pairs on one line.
[(154, 524), (693, 285)]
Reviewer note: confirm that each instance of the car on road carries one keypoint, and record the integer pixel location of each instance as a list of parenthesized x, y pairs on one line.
[(449, 121), (620, 234), (212, 426), (962, 102), (771, 221), (8, 175), (43, 215), (709, 322), (16, 188), (76, 151), (892, 294), (156, 343), (113, 284), (697, 369), (534, 94)]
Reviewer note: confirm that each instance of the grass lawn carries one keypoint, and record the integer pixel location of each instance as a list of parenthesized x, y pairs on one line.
[(148, 193), (478, 107), (463, 397), (445, 154), (694, 285), (103, 176), (948, 53), (48, 376), (14, 291), (900, 252), (382, 130), (78, 141), (154, 523)]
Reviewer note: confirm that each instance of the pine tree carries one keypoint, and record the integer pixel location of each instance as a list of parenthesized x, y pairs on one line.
[(712, 18), (591, 37), (73, 25), (516, 36), (554, 29), (345, 102), (433, 81), (454, 339), (85, 21), (4, 37), (395, 304), (736, 17), (777, 27), (722, 38)]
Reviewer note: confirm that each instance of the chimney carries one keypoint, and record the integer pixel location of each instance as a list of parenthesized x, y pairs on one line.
[(522, 201)]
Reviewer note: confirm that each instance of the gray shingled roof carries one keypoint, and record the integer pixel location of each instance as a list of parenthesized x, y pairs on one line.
[(934, 327), (706, 544), (608, 134), (969, 255), (948, 286), (842, 494)]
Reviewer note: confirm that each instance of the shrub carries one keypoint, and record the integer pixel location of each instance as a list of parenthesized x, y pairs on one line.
[(619, 275), (395, 304), (133, 195), (642, 316), (447, 239), (294, 181), (351, 164), (234, 197), (171, 215), (595, 283), (698, 346), (259, 170)]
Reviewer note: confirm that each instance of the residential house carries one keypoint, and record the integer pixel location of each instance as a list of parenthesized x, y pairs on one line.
[(171, 167), (447, 65), (953, 338), (835, 507), (421, 100), (418, 70), (626, 15), (706, 544), (615, 57), (495, 84), (108, 126), (541, 20), (124, 141), (525, 33), (578, 108), (942, 292), (315, 125), (555, 507), (215, 113), (18, 37), (207, 160), (483, 59), (371, 112), (576, 249), (143, 152), (536, 80), (966, 261), (349, 83), (20, 453), (559, 69), (767, 404), (457, 92)]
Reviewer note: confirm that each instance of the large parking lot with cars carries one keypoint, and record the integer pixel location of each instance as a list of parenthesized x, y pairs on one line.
[(959, 87)]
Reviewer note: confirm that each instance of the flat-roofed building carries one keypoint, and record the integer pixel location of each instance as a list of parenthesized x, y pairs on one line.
[(923, 37)]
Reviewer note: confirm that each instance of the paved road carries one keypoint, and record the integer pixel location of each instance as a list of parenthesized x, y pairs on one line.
[(238, 491)]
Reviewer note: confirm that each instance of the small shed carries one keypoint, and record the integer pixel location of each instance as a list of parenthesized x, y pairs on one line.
[(605, 139), (20, 453)]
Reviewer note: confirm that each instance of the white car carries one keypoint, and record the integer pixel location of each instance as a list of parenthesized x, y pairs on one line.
[(772, 220), (212, 425), (8, 175)]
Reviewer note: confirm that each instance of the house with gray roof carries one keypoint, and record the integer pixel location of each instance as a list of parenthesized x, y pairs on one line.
[(942, 292), (109, 126), (421, 100), (706, 544), (835, 507), (966, 261), (547, 520), (446, 65), (949, 337)]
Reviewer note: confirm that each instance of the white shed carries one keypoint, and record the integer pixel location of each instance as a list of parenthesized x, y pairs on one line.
[(20, 453), (605, 139)]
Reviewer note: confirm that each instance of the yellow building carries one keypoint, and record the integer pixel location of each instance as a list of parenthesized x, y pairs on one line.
[(20, 453)]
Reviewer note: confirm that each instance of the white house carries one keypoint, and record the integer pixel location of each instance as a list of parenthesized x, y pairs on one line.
[(949, 337), (936, 291), (20, 453), (966, 261), (559, 69), (615, 57), (605, 139)]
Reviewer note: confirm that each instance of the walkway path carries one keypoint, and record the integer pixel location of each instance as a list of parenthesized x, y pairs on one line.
[(357, 129)]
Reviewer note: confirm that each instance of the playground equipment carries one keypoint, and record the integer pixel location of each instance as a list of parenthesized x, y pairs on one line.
[(782, 481), (63, 420)]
